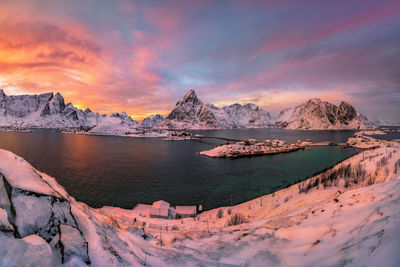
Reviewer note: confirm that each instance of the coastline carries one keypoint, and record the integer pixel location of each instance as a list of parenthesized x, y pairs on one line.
[(270, 217)]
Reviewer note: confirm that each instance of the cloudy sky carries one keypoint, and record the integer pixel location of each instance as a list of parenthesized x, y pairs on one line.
[(142, 56)]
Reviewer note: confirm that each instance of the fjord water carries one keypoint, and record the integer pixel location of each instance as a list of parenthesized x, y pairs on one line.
[(123, 171)]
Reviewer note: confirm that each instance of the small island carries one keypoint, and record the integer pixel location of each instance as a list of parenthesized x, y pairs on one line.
[(252, 147)]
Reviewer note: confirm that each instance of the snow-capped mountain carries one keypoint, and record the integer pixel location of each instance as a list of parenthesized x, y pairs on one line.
[(43, 111), (115, 124), (317, 114), (247, 116), (50, 111), (151, 121), (191, 113)]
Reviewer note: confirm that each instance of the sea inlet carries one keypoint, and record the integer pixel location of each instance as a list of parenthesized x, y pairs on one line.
[(122, 171)]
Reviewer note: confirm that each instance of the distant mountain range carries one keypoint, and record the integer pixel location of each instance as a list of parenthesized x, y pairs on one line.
[(50, 111), (317, 114), (191, 113)]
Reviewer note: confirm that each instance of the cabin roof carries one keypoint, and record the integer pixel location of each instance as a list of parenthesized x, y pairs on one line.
[(188, 210), (161, 204)]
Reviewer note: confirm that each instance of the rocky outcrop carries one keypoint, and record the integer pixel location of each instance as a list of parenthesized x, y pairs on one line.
[(191, 113), (30, 206), (317, 114), (151, 121)]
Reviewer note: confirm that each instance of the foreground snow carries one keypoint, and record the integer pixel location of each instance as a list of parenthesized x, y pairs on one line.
[(348, 215)]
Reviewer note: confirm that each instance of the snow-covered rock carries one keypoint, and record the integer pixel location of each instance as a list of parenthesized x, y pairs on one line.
[(73, 244), (31, 250), (34, 207), (151, 121), (191, 113), (316, 114)]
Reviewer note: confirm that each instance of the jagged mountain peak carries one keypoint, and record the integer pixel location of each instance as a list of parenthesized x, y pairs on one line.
[(190, 97), (315, 100), (49, 110), (318, 114), (191, 113), (151, 121)]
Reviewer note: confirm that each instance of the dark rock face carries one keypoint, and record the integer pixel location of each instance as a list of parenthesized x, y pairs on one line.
[(346, 113), (71, 112)]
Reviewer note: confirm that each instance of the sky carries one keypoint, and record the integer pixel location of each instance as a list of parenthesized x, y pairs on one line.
[(143, 56)]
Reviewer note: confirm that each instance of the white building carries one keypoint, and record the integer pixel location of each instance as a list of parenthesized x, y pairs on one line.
[(159, 209), (185, 211)]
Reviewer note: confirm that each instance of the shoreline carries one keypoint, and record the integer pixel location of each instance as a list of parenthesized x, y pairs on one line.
[(272, 218)]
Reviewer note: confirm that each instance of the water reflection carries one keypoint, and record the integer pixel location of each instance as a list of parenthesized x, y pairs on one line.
[(105, 170)]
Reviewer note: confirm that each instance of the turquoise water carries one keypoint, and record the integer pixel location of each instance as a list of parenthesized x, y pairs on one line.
[(120, 171)]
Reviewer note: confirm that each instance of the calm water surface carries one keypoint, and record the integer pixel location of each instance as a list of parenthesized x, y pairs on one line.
[(119, 171)]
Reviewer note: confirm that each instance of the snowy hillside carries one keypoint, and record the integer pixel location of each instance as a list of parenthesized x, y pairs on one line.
[(191, 113), (348, 215), (316, 114)]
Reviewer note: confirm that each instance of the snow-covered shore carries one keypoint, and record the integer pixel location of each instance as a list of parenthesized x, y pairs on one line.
[(252, 147), (348, 215)]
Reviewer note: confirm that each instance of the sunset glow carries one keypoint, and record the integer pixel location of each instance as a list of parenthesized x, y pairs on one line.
[(141, 56)]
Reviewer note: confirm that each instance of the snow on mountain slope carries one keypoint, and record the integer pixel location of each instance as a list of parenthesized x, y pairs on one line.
[(42, 111), (115, 124), (50, 111), (191, 113), (316, 114), (348, 215), (151, 121), (249, 115)]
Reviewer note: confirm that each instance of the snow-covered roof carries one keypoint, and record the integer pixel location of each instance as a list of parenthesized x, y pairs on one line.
[(161, 204), (187, 210)]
